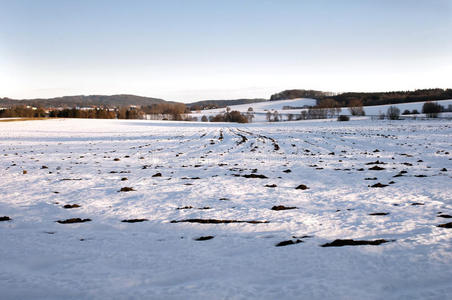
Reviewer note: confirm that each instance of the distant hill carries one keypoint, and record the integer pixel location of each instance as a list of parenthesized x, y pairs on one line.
[(383, 98), (368, 98), (91, 100), (223, 103)]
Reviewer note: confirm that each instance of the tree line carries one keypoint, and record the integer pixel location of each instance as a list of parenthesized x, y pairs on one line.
[(383, 98), (367, 99), (176, 110)]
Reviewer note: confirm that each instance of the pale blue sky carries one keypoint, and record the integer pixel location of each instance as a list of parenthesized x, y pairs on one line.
[(191, 50)]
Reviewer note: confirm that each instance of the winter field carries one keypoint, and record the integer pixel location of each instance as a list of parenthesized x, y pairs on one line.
[(260, 109), (215, 200)]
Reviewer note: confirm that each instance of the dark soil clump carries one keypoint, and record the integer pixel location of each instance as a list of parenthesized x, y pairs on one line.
[(379, 185), (301, 187), (282, 207), (67, 206), (134, 220), (254, 176), (350, 242), (376, 168), (73, 220), (377, 162), (215, 221), (289, 242), (185, 207), (204, 238), (446, 225), (445, 216)]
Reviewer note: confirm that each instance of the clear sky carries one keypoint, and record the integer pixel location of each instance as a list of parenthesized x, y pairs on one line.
[(191, 50)]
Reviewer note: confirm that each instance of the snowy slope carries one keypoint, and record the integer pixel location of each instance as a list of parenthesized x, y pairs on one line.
[(202, 166), (376, 110), (260, 109), (267, 105)]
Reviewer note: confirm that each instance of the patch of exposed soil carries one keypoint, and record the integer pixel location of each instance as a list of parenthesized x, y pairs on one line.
[(271, 185), (350, 242), (282, 207), (68, 206), (73, 220), (134, 220), (302, 187), (289, 242), (216, 221), (376, 168), (204, 238), (260, 176), (185, 207), (446, 225), (444, 216), (377, 162), (379, 185)]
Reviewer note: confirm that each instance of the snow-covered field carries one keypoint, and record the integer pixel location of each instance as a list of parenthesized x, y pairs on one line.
[(203, 168), (379, 109), (260, 109)]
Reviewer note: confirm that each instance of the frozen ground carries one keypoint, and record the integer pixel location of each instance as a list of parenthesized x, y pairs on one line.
[(84, 161)]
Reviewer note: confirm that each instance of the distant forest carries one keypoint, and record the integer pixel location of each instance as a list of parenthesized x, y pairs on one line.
[(368, 99), (394, 97), (174, 110)]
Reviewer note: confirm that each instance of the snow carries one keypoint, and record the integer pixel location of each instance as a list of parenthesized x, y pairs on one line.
[(267, 105), (260, 109), (157, 259), (378, 109)]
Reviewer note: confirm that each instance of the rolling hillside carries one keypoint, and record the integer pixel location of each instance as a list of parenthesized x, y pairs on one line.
[(71, 101), (260, 109)]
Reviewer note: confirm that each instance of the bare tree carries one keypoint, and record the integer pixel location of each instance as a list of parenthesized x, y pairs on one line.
[(250, 114), (431, 109), (393, 113), (330, 106), (268, 116), (356, 107)]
